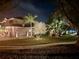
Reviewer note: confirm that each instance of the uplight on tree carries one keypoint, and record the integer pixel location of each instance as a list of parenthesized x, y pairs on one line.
[(40, 28)]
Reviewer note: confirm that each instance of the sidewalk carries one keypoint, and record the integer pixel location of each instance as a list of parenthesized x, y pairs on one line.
[(36, 46)]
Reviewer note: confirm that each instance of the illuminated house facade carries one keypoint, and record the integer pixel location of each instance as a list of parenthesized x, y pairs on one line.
[(13, 28)]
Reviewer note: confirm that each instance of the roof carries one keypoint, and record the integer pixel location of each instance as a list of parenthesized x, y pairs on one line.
[(14, 22), (11, 22)]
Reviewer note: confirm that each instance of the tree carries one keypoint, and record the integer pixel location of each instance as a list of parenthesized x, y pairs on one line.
[(57, 26), (40, 28), (67, 6), (29, 19)]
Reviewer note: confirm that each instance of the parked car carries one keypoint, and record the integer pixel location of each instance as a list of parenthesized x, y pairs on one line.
[(72, 32)]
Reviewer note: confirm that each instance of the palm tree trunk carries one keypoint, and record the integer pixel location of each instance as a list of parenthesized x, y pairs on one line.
[(31, 29)]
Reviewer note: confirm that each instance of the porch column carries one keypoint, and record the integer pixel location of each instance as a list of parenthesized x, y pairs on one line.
[(13, 31)]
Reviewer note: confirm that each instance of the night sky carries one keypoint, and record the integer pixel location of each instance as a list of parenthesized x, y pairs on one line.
[(41, 8)]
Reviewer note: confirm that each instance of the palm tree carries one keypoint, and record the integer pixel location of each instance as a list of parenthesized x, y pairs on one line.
[(29, 19)]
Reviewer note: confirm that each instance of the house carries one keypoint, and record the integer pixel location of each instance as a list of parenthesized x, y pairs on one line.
[(13, 28)]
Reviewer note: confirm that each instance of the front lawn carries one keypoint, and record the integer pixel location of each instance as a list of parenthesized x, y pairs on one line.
[(37, 40)]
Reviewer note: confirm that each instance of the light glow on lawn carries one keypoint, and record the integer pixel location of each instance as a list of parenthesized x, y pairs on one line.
[(38, 38)]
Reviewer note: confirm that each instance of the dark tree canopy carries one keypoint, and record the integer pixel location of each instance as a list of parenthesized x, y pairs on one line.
[(71, 10)]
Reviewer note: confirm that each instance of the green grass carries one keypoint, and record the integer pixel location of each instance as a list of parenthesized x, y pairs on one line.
[(33, 41), (23, 42), (67, 38)]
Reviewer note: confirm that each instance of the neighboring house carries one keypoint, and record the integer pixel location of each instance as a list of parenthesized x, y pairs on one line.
[(14, 28)]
